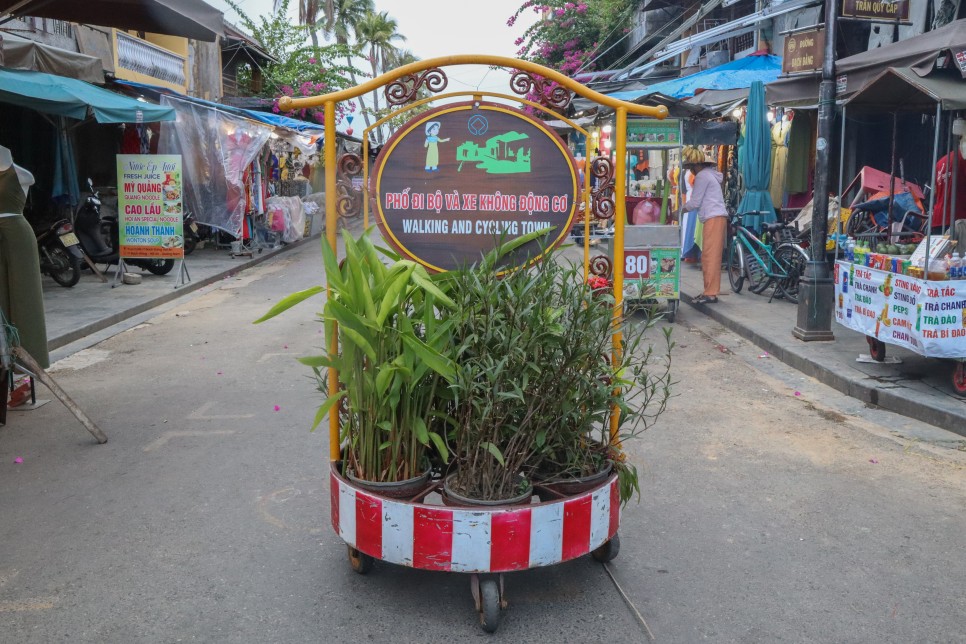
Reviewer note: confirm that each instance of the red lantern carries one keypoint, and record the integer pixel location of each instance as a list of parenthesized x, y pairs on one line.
[(348, 131)]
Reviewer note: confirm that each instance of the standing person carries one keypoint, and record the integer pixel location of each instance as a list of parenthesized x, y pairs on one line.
[(21, 290), (432, 146), (944, 175), (707, 198)]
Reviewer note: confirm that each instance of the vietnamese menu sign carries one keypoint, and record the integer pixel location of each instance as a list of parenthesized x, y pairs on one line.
[(455, 180), (652, 273), (880, 10), (928, 317), (804, 51), (150, 205), (653, 133)]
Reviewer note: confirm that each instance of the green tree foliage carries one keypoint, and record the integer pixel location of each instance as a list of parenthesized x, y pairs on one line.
[(301, 69)]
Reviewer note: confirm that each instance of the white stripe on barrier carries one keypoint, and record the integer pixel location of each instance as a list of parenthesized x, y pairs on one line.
[(599, 517), (471, 541), (347, 514), (397, 533), (546, 534)]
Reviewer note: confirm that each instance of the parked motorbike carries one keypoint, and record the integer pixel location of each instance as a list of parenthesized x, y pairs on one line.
[(99, 236), (60, 253)]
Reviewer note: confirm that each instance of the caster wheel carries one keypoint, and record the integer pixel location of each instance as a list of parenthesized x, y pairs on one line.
[(959, 378), (360, 561), (608, 551), (489, 605), (877, 349)]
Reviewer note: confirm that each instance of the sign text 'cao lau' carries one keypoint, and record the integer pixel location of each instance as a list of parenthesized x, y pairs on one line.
[(454, 181)]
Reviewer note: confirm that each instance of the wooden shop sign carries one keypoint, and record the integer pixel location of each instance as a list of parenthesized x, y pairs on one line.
[(878, 10), (804, 51), (455, 180)]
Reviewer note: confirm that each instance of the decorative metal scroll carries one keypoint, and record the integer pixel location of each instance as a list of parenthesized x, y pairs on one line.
[(556, 97), (348, 198), (602, 198), (405, 88), (601, 266)]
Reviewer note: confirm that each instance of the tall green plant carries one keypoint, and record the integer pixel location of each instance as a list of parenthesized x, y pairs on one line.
[(536, 383), (392, 362)]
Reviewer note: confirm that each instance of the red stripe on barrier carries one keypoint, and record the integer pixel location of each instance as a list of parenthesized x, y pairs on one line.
[(510, 539), (615, 509), (334, 502), (369, 525), (576, 527), (432, 538)]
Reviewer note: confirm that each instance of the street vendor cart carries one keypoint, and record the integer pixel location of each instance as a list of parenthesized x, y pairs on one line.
[(652, 266), (906, 300)]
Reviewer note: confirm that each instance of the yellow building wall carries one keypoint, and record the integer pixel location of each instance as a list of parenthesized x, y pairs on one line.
[(173, 44)]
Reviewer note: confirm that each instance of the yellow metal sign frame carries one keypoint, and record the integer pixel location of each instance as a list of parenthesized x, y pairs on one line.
[(621, 109)]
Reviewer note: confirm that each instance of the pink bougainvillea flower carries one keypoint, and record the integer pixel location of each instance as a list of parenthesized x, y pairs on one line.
[(312, 61), (277, 408), (874, 461), (798, 393), (18, 460)]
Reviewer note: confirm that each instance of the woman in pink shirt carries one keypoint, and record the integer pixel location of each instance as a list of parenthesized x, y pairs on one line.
[(708, 199)]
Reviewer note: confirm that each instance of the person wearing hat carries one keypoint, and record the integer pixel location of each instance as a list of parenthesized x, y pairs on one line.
[(707, 198)]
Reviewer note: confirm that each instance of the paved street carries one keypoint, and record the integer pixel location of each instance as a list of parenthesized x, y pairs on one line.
[(773, 508)]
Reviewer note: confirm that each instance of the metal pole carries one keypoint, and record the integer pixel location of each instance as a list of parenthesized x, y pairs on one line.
[(932, 193), (620, 216), (838, 215), (331, 222), (817, 292)]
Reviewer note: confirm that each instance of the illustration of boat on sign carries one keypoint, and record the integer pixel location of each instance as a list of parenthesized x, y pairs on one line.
[(502, 154)]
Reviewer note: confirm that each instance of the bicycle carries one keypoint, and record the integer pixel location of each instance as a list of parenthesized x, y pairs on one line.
[(779, 261)]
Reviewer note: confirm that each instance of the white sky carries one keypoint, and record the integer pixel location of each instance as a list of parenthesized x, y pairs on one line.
[(441, 28)]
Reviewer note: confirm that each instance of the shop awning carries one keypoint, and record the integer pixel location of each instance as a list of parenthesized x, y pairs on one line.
[(275, 120), (20, 53), (919, 54), (738, 74), (75, 99), (186, 18), (901, 89)]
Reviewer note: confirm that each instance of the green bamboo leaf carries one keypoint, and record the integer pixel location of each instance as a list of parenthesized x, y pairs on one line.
[(440, 446), (325, 407), (422, 432), (495, 451), (436, 361), (317, 361), (333, 275), (357, 339), (421, 277), (390, 301), (382, 380), (289, 301)]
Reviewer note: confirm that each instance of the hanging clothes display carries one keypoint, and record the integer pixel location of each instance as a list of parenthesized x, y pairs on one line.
[(779, 160)]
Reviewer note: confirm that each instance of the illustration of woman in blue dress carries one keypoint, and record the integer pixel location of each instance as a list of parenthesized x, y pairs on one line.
[(432, 146)]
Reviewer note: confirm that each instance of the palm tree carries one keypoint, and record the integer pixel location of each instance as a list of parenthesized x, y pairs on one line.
[(309, 11), (377, 32), (342, 25)]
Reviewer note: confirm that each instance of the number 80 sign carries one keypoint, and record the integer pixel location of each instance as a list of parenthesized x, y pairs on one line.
[(637, 264)]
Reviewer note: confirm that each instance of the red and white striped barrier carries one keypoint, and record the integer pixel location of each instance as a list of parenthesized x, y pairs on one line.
[(435, 537)]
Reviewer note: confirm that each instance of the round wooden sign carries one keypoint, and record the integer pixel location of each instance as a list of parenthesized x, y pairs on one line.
[(452, 182)]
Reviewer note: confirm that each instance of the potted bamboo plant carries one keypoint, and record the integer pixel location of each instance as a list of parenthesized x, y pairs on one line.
[(535, 386), (393, 371)]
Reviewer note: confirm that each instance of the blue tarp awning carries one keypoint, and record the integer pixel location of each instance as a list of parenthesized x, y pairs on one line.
[(738, 74), (75, 99), (275, 120)]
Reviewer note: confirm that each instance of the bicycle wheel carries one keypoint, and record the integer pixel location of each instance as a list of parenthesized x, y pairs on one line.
[(758, 280), (792, 259), (736, 261)]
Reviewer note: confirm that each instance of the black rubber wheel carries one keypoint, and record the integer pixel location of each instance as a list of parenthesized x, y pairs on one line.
[(792, 260), (65, 268), (877, 348), (190, 243), (735, 261), (608, 551), (959, 378), (489, 605), (360, 561), (160, 266), (672, 311)]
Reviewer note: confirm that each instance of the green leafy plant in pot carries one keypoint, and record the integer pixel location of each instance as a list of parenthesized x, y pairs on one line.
[(393, 369), (535, 384)]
